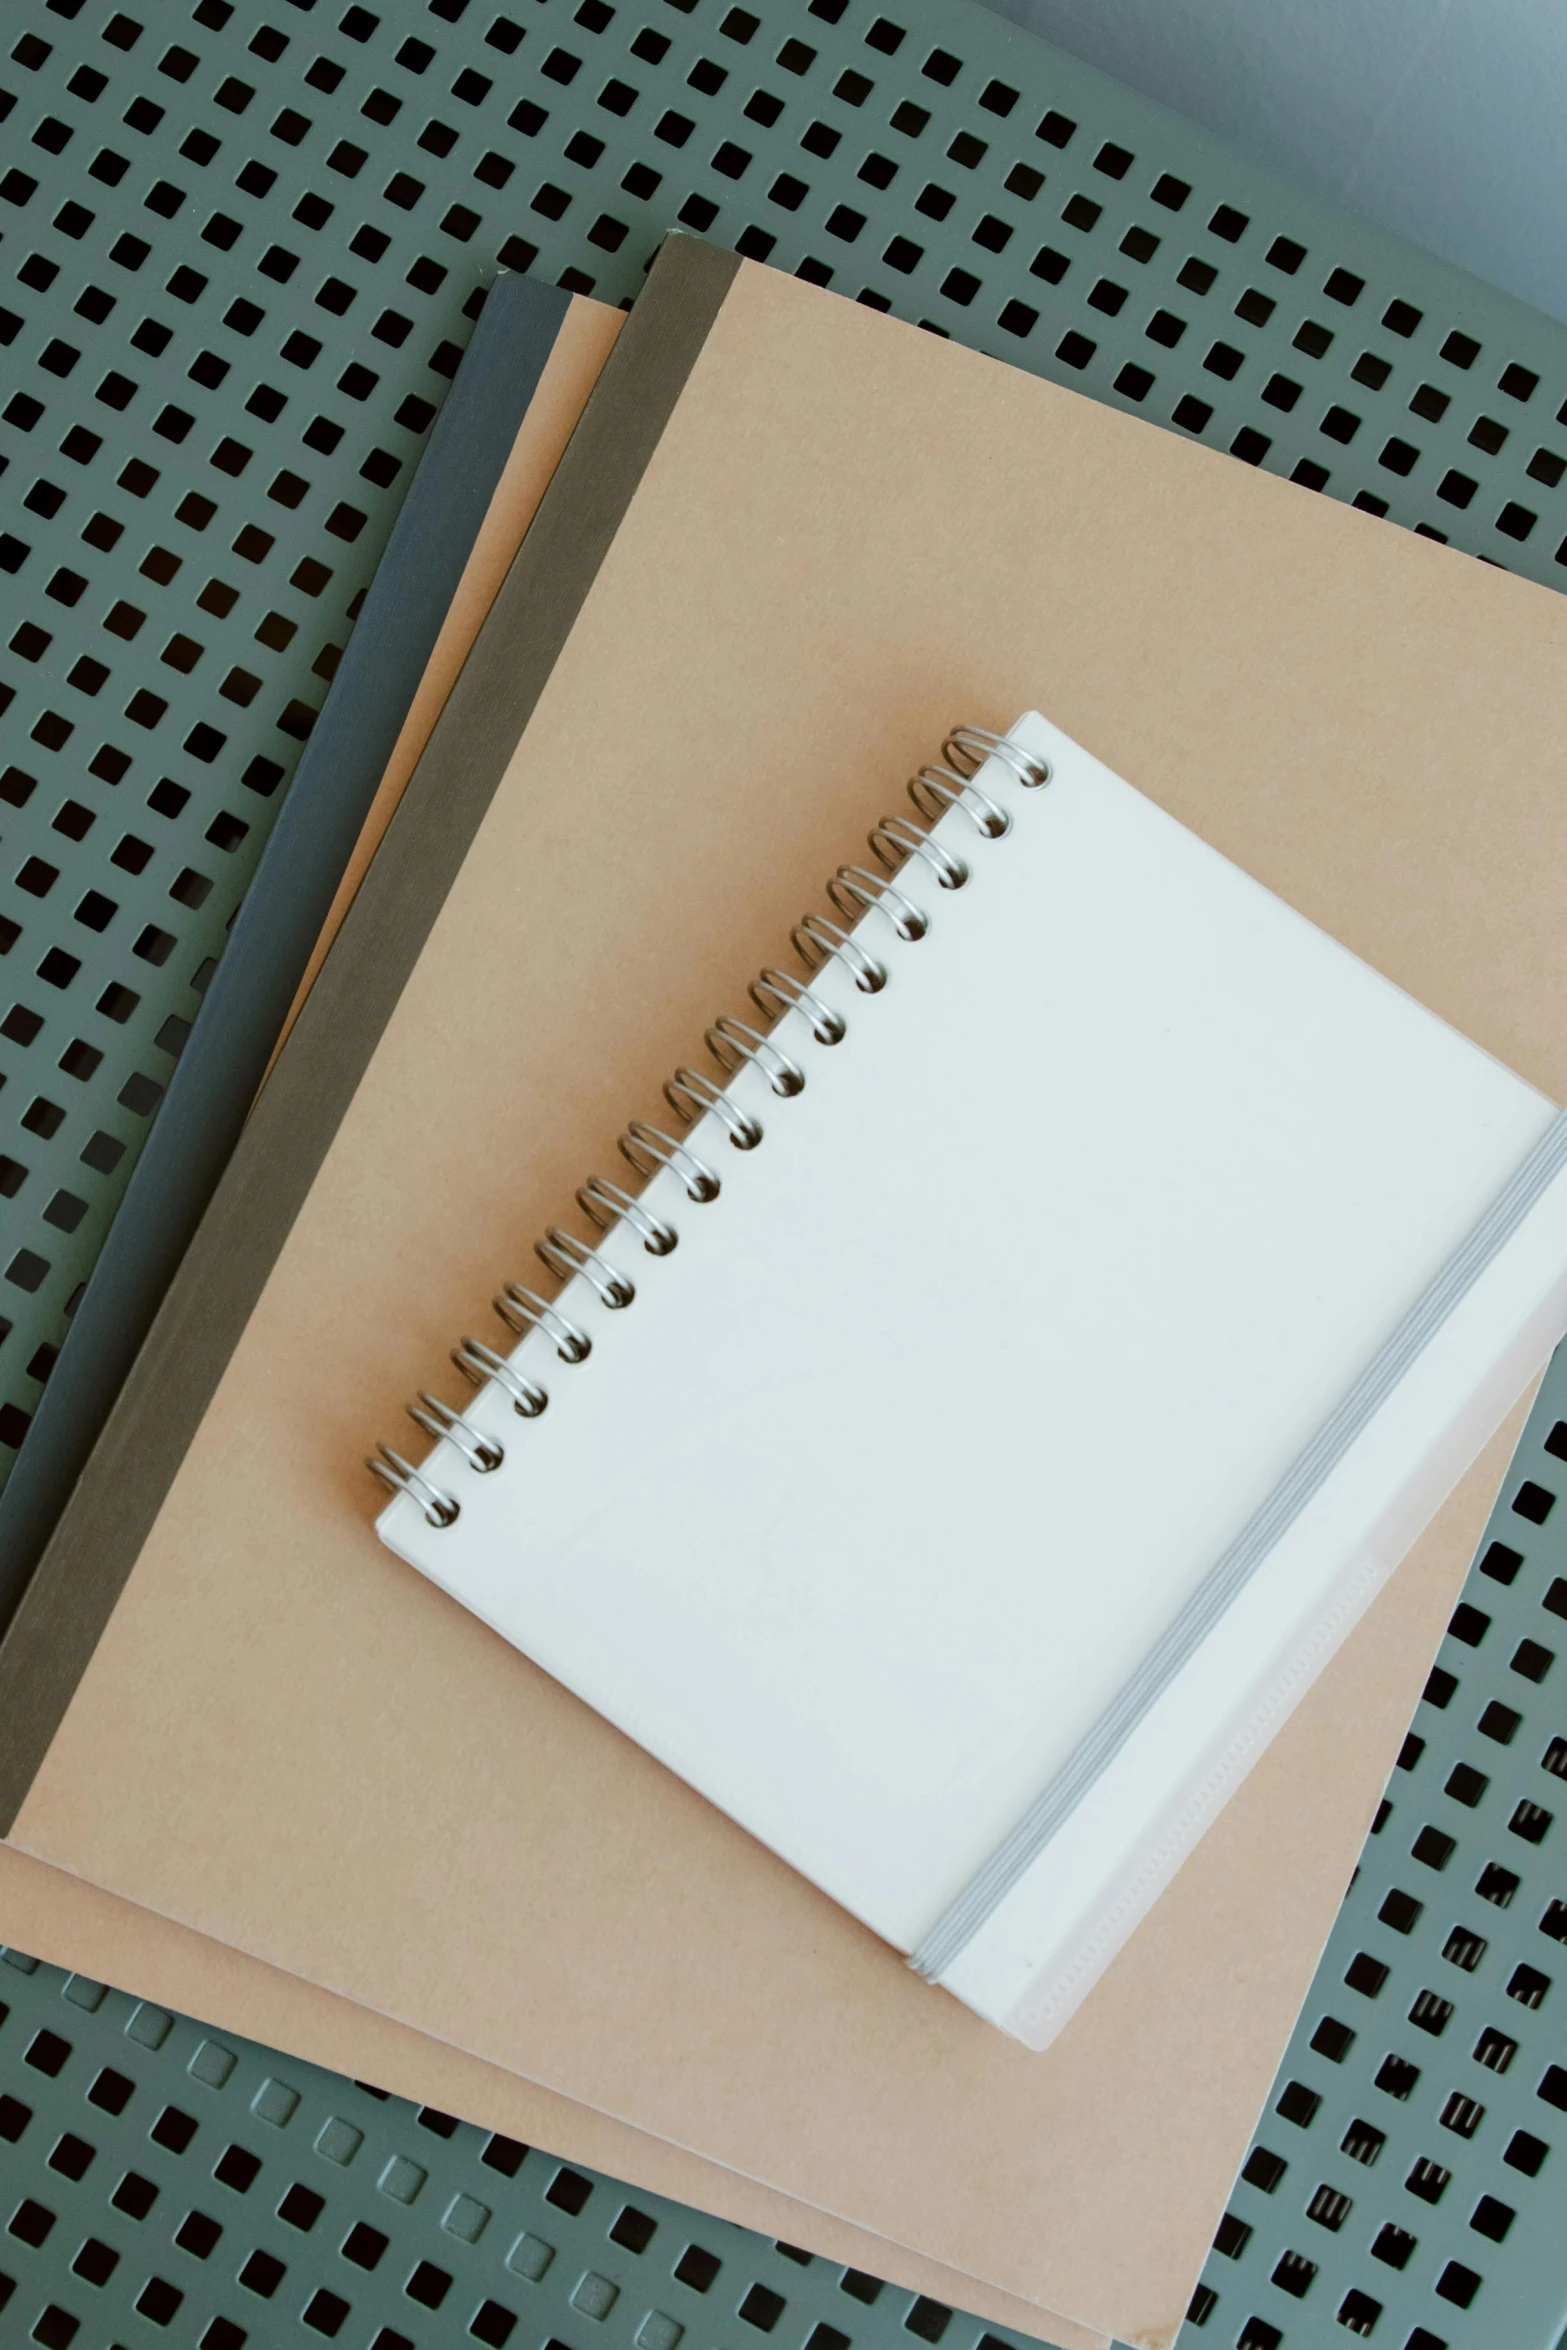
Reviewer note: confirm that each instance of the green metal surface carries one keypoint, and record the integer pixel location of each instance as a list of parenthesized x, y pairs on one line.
[(1406, 2180), (164, 2184), (240, 252)]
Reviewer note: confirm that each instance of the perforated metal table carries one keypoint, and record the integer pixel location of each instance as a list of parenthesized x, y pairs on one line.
[(239, 256)]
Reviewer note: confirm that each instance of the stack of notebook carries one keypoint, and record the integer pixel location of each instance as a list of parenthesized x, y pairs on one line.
[(933, 1481)]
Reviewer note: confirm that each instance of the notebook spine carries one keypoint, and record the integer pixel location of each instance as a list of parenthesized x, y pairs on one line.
[(854, 891)]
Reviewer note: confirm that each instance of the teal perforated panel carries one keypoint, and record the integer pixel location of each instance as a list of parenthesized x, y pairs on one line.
[(160, 2183), (240, 252)]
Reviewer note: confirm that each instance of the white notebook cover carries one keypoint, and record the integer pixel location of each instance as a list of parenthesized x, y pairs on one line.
[(864, 1511)]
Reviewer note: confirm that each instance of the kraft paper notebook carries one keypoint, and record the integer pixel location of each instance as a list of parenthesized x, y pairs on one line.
[(937, 531)]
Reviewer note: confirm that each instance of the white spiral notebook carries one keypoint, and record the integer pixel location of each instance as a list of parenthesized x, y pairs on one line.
[(996, 1381)]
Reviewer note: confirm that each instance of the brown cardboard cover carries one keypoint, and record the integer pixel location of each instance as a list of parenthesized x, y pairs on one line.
[(848, 535)]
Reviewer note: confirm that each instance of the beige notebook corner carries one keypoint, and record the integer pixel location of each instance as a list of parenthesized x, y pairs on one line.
[(226, 1754)]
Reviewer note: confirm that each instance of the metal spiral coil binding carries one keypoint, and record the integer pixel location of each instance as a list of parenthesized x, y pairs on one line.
[(897, 838), (438, 1419), (691, 1095), (776, 992), (480, 1364), (521, 1310), (606, 1205), (854, 891), (816, 941), (564, 1254), (968, 748), (400, 1476), (647, 1148), (732, 1044)]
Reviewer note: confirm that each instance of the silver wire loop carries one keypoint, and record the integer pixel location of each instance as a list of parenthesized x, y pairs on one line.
[(897, 838), (816, 941), (647, 1148), (936, 789), (727, 1036), (691, 1095), (864, 890), (479, 1363), (565, 1255), (437, 1419), (776, 992), (606, 1205), (400, 1476), (968, 747), (521, 1311)]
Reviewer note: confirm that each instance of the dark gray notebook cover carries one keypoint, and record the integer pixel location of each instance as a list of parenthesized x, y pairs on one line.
[(280, 921)]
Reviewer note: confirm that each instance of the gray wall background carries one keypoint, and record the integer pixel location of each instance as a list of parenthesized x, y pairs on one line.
[(1442, 120)]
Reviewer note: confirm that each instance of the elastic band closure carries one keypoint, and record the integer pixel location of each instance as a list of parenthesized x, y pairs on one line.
[(1230, 1574)]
